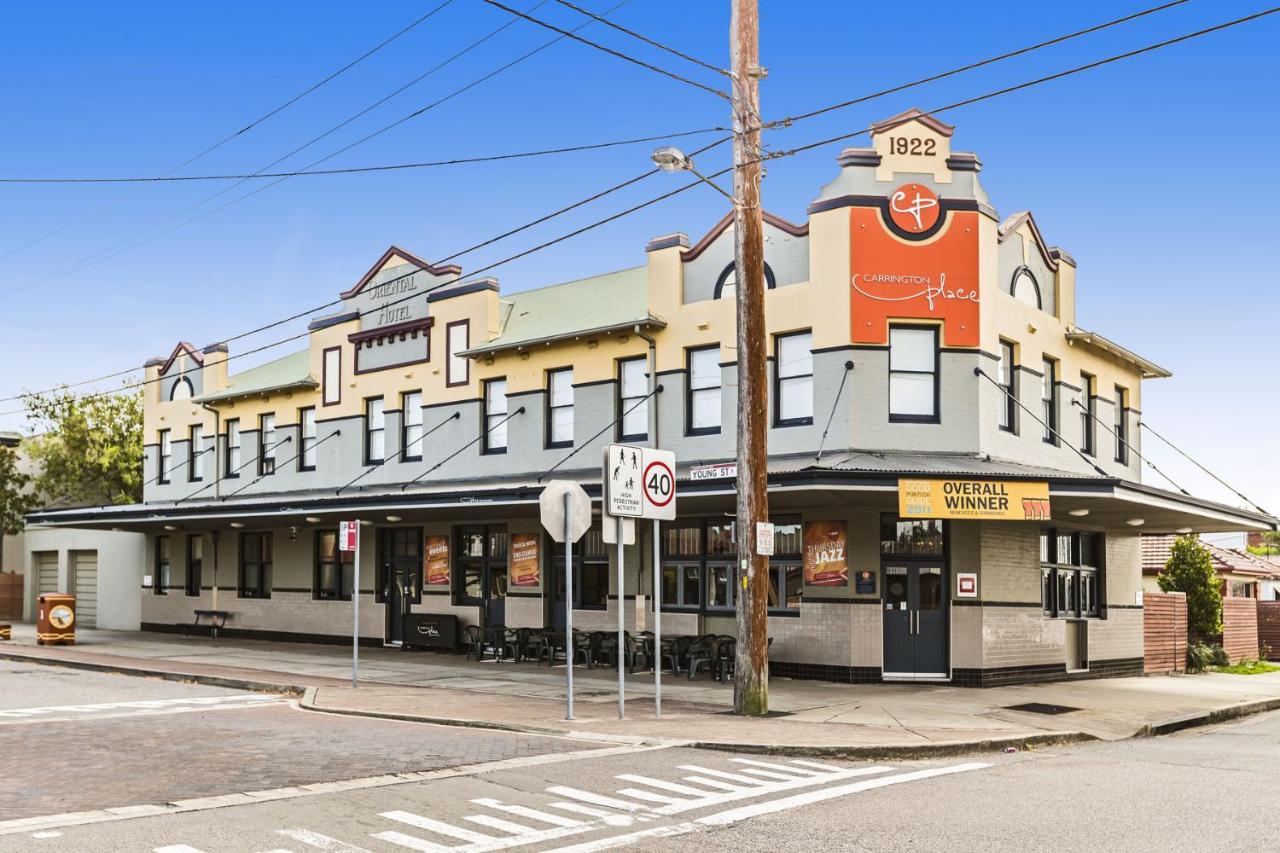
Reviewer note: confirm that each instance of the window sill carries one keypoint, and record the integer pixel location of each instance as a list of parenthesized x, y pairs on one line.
[(793, 422), (558, 445), (692, 431), (644, 436), (303, 469), (498, 451), (914, 419)]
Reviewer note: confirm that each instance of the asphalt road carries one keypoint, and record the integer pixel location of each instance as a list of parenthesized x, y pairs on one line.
[(1205, 789)]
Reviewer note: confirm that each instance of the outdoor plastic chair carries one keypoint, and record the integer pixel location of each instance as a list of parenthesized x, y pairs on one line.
[(474, 641)]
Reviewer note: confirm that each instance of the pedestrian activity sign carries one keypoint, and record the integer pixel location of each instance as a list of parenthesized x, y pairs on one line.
[(639, 482)]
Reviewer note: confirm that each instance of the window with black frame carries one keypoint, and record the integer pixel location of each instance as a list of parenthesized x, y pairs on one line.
[(160, 584), (1071, 564), (255, 565), (698, 567), (590, 570), (917, 537), (334, 569), (1008, 379), (481, 560), (195, 563)]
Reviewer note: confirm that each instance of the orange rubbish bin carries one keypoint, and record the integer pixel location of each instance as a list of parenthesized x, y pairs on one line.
[(55, 619)]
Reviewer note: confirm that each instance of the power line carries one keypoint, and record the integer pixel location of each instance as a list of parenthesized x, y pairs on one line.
[(1062, 442), (1188, 457), (1128, 446), (649, 41), (142, 238), (253, 123), (975, 65), (313, 87), (775, 155), (355, 170), (615, 53)]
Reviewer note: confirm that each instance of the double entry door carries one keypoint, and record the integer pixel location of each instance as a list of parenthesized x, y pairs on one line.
[(399, 576), (915, 621), (482, 570)]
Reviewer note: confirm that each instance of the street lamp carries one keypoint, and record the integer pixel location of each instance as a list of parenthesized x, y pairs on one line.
[(669, 158)]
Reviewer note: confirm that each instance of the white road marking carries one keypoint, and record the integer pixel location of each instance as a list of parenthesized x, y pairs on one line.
[(409, 841), (594, 799), (769, 774), (498, 823), (709, 800), (177, 848), (525, 811), (438, 827), (648, 796), (662, 785), (783, 768), (46, 834), (720, 774), (712, 783), (815, 764), (319, 842), (608, 817), (141, 707)]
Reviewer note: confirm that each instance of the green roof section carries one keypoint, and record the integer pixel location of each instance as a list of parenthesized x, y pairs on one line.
[(288, 373), (601, 303)]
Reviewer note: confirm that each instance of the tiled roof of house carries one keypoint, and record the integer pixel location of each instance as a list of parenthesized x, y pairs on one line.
[(1226, 561), (587, 305), (291, 371)]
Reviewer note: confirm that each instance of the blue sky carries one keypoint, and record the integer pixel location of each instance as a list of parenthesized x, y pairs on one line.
[(1157, 174)]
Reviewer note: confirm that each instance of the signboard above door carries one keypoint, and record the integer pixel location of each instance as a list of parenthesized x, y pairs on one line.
[(998, 500)]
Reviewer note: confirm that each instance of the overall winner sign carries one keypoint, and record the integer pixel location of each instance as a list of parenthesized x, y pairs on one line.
[(999, 500)]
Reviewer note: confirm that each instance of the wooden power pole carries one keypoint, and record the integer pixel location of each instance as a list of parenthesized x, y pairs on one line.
[(751, 679)]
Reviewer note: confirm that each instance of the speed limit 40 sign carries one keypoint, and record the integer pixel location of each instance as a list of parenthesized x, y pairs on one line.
[(640, 482)]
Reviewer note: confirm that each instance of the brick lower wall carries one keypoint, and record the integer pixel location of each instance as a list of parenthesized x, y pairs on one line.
[(1164, 631), (1240, 628), (1269, 628)]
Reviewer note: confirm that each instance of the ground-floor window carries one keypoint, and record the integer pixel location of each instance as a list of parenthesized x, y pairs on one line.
[(255, 565), (1242, 589), (160, 586), (590, 570), (195, 563), (334, 569), (699, 573), (481, 565), (1070, 573)]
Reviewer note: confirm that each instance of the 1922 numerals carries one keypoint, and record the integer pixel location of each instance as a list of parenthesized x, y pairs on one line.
[(912, 145)]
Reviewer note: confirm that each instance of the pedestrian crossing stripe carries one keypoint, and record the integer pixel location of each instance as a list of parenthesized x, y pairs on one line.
[(142, 705)]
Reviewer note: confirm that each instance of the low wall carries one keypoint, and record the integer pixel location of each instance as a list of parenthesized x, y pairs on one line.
[(1240, 628), (1164, 631), (11, 596), (1269, 628)]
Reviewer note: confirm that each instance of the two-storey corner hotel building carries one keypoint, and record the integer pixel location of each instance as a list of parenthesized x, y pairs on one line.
[(954, 468)]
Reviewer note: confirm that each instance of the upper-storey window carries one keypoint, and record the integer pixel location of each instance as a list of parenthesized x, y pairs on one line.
[(1122, 425), (166, 457), (267, 435), (411, 428), (913, 374), (375, 431), (495, 416), (560, 407), (727, 283), (1049, 400), (1008, 379), (457, 336), (182, 389), (1025, 288), (307, 428), (633, 407), (1088, 414), (332, 378), (195, 453), (702, 402), (793, 379), (233, 449)]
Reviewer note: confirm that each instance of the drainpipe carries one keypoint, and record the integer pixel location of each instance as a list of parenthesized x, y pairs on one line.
[(217, 487), (655, 569), (653, 382)]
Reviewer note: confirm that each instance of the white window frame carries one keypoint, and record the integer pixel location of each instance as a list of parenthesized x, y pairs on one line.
[(375, 431), (900, 374), (790, 371), (411, 426), (560, 405), (165, 456), (332, 377), (495, 413), (702, 366), (633, 389), (307, 438), (267, 439)]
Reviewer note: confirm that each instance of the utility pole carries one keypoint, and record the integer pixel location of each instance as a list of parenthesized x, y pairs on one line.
[(751, 666)]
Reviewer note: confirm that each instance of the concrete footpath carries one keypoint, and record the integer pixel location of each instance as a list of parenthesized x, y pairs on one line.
[(808, 717)]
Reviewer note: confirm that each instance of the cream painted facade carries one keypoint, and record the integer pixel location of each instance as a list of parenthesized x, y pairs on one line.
[(901, 248)]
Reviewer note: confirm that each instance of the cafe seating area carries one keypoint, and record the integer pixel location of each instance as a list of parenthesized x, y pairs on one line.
[(679, 654)]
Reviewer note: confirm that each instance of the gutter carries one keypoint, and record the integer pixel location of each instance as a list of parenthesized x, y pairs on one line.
[(650, 321)]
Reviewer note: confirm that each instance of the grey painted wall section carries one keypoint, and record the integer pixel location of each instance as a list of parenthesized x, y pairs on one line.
[(120, 569), (861, 180), (1010, 254), (786, 255), (408, 293), (403, 349)]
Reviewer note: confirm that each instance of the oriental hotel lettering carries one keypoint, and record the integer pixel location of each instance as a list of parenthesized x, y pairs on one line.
[(396, 311)]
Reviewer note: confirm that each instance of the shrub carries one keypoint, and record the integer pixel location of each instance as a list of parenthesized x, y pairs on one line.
[(1199, 657), (1190, 570)]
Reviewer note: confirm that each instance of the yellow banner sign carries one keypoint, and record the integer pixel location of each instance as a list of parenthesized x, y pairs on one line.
[(1000, 500)]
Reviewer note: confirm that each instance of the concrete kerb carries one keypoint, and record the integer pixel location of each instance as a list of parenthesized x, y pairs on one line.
[(251, 685), (903, 752), (1206, 718)]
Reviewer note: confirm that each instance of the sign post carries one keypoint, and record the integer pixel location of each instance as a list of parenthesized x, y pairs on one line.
[(349, 540), (640, 482), (566, 515)]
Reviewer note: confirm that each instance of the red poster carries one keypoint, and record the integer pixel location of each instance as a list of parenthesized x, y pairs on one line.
[(825, 561), (896, 278), (526, 569), (437, 567)]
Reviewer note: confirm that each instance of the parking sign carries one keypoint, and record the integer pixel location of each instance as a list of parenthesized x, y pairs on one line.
[(348, 535)]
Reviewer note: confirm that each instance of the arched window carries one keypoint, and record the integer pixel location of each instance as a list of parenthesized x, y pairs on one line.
[(1024, 288), (726, 284), (182, 389)]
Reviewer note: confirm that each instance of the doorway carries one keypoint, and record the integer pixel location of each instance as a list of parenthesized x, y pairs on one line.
[(915, 621), (482, 572), (399, 577)]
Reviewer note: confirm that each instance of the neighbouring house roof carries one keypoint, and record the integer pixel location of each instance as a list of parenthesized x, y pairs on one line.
[(1150, 370), (1226, 561), (289, 373), (587, 306)]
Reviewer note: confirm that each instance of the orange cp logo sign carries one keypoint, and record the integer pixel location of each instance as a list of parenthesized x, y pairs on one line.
[(914, 208)]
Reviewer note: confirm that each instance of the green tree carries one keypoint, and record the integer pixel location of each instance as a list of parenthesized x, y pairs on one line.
[(16, 497), (88, 447), (1190, 570)]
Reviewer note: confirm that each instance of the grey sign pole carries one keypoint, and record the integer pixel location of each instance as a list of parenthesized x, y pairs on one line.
[(622, 633), (568, 609), (657, 620), (355, 614)]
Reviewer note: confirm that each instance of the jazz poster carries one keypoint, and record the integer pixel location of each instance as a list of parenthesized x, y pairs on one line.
[(526, 568), (825, 553)]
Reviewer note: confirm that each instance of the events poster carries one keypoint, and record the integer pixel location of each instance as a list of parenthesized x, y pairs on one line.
[(526, 568), (437, 568), (825, 560)]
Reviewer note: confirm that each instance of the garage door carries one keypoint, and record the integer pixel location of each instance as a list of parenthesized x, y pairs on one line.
[(85, 564), (46, 564)]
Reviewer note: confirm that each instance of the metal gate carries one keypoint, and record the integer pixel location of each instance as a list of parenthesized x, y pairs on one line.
[(85, 567)]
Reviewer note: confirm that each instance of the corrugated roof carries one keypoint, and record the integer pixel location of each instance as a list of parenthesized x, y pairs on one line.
[(291, 371), (938, 464), (613, 300)]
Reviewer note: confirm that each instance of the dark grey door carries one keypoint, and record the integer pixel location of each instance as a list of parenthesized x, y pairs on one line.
[(399, 563), (396, 600), (915, 621)]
